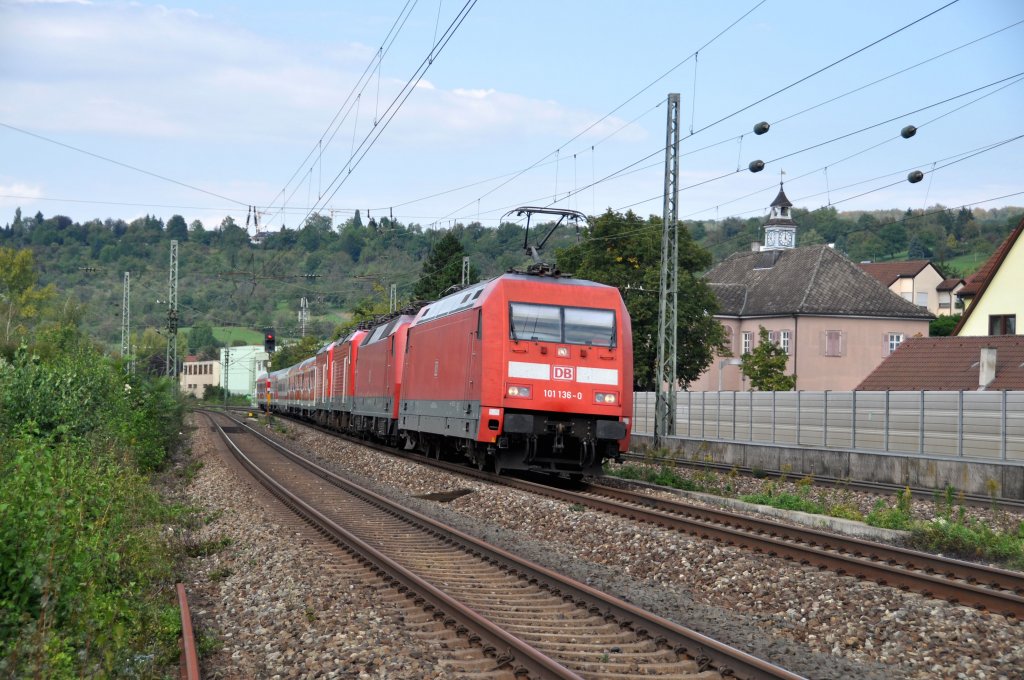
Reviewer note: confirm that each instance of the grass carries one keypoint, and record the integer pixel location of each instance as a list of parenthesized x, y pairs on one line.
[(967, 263), (970, 539), (228, 334), (786, 501)]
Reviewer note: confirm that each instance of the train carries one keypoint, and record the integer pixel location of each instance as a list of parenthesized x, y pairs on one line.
[(525, 371)]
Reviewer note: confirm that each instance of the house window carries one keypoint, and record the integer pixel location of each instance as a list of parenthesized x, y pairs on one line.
[(748, 341), (1002, 324), (833, 343), (922, 299), (784, 341), (895, 340)]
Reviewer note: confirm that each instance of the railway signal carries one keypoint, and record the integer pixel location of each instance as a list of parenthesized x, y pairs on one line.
[(268, 342)]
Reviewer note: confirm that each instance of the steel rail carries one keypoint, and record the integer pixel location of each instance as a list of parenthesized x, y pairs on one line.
[(189, 655), (865, 486), (726, 659), (993, 577), (824, 550), (444, 606)]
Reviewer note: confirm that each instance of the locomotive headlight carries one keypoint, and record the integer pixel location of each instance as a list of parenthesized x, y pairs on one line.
[(521, 391), (563, 352), (606, 397)]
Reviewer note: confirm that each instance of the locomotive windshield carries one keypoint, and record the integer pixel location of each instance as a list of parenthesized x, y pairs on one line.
[(571, 325)]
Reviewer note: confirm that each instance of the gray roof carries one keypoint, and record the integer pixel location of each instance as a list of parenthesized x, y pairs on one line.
[(812, 280)]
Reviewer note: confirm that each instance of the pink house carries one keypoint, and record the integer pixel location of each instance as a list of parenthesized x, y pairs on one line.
[(834, 320)]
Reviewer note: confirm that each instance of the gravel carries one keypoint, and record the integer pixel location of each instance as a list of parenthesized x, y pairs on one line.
[(815, 623)]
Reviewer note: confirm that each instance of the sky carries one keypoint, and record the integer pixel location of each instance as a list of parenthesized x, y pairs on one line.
[(442, 111)]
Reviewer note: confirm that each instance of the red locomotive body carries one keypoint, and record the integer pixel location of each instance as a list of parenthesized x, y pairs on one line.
[(524, 372), (343, 378), (378, 378)]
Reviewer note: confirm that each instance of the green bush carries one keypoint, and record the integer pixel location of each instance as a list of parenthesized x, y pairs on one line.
[(86, 576)]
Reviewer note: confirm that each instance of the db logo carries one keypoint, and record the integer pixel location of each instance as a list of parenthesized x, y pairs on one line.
[(564, 373)]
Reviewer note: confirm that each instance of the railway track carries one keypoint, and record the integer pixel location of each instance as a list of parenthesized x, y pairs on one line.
[(989, 588), (526, 619), (974, 500)]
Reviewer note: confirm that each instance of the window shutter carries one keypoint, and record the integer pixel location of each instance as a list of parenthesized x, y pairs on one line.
[(885, 344)]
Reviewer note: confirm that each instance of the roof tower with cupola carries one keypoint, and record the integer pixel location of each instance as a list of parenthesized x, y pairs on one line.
[(780, 230)]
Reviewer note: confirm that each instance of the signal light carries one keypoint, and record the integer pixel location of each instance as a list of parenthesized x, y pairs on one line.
[(268, 342), (605, 397)]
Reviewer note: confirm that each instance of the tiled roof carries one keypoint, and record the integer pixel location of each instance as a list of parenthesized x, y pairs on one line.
[(949, 284), (888, 272), (809, 280), (949, 363), (978, 279)]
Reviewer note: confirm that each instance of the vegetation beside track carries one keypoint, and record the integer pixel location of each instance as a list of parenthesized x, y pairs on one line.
[(86, 565), (950, 531)]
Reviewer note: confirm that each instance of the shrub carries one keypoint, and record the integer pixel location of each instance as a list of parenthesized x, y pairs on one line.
[(86, 574)]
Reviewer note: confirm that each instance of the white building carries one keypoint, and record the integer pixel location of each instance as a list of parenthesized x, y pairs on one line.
[(240, 366)]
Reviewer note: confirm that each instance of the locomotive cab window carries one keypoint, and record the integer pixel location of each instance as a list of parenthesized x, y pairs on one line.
[(590, 326), (571, 325)]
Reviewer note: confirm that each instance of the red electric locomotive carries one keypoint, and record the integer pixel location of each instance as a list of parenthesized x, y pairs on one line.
[(343, 379), (521, 372), (378, 379)]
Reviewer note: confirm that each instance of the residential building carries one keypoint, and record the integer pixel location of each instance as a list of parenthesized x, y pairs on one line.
[(952, 363), (992, 296), (836, 322), (196, 375), (917, 281), (949, 303), (242, 364)]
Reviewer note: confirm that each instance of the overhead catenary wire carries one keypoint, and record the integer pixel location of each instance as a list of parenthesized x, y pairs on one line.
[(389, 39), (125, 165), (396, 104), (738, 138), (617, 108), (748, 106)]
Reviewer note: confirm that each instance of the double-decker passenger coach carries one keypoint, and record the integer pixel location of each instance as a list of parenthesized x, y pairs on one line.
[(525, 371)]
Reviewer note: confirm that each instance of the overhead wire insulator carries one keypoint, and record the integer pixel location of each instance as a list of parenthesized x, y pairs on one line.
[(761, 127), (908, 132), (756, 166), (915, 176)]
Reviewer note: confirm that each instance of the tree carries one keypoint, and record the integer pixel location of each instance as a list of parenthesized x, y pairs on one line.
[(201, 339), (177, 229), (442, 269), (20, 299), (288, 355), (315, 232), (943, 325), (624, 250), (765, 367)]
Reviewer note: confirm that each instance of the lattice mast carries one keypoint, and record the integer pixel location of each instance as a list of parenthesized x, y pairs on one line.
[(126, 325), (668, 299), (172, 314)]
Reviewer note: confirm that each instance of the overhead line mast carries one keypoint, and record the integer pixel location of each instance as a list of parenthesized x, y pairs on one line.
[(668, 298), (172, 314), (126, 325)]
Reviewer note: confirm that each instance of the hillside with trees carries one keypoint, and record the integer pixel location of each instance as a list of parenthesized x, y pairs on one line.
[(345, 270)]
